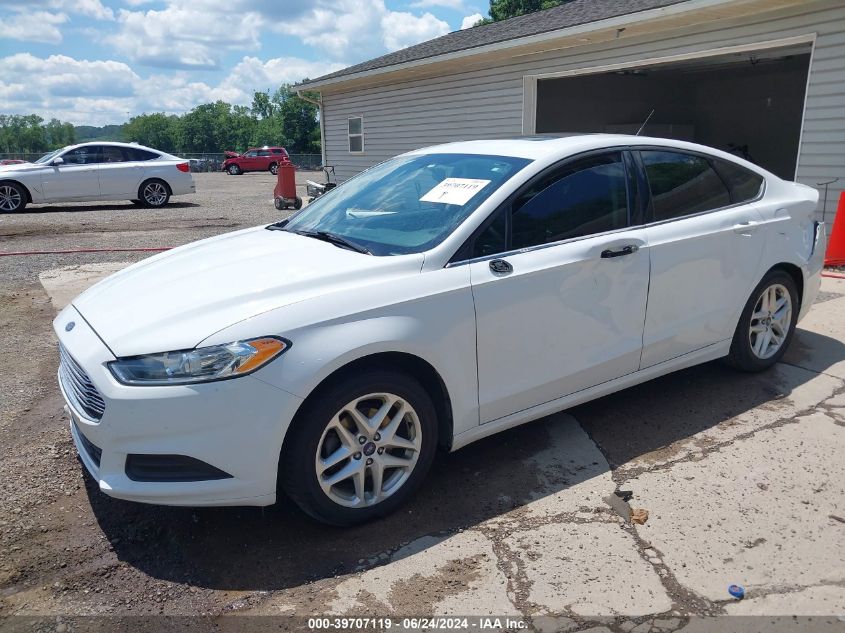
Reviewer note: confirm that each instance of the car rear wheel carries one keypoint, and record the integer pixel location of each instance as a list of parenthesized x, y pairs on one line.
[(360, 449), (154, 193), (12, 197), (274, 168), (234, 170), (767, 323)]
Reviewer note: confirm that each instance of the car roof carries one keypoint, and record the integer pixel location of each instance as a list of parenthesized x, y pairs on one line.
[(550, 148), (114, 144)]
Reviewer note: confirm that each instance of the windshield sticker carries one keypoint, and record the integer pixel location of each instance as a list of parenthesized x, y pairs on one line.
[(455, 191)]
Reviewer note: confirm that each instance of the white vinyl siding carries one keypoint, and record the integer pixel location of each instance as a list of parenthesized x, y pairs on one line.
[(487, 102)]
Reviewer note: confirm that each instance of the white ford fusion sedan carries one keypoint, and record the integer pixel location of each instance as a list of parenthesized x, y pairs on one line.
[(437, 298), (96, 171)]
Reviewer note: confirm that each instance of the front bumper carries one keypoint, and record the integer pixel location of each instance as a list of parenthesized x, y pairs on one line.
[(236, 426)]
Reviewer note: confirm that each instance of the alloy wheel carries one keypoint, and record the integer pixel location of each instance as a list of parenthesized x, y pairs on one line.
[(770, 321), (368, 450), (274, 169), (155, 194), (10, 198)]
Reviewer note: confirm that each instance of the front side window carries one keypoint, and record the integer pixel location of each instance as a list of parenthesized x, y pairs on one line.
[(87, 155), (585, 197), (407, 204), (251, 154), (682, 184), (356, 133)]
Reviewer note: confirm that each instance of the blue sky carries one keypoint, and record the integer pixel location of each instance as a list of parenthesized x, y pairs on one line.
[(95, 62)]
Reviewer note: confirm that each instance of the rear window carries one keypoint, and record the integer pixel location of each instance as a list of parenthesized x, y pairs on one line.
[(744, 184), (682, 184)]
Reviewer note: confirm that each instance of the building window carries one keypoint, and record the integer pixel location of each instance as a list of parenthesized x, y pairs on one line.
[(356, 134)]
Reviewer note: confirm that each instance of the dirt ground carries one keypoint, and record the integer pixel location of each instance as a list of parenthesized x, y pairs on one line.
[(742, 475)]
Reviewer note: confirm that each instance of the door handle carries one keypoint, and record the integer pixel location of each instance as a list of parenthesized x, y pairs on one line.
[(500, 266), (625, 250), (746, 226)]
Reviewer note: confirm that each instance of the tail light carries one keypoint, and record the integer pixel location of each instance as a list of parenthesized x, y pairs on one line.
[(183, 167)]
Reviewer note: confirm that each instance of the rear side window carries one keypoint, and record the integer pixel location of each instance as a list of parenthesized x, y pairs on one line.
[(744, 184), (135, 154), (112, 154), (263, 152), (682, 184), (585, 197)]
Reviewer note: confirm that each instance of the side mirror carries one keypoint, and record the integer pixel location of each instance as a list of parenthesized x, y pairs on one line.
[(57, 161)]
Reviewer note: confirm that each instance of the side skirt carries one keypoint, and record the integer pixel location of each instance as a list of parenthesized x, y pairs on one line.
[(703, 355)]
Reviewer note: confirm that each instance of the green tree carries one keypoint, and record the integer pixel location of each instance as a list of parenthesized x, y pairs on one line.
[(504, 9), (156, 130), (298, 121)]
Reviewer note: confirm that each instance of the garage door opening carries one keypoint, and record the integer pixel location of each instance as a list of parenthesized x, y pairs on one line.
[(750, 103)]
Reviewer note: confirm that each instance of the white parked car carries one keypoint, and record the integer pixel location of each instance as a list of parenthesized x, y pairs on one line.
[(96, 171), (437, 298)]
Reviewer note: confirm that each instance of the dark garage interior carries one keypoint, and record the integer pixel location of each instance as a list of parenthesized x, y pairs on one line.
[(750, 104)]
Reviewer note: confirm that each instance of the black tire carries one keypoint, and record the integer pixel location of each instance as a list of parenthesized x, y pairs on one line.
[(154, 193), (297, 464), (278, 203), (274, 168), (234, 170), (13, 197), (742, 355), (297, 203)]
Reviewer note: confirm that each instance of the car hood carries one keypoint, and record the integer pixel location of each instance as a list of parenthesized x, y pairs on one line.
[(231, 154), (5, 169), (179, 298)]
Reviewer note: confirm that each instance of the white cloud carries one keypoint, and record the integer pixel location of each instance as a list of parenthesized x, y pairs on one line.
[(457, 5), (99, 92), (184, 36), (92, 8), (38, 26), (405, 29), (354, 30), (470, 20)]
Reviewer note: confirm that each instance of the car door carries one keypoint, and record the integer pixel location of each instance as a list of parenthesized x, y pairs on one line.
[(76, 178), (706, 250), (559, 279), (119, 176), (250, 161)]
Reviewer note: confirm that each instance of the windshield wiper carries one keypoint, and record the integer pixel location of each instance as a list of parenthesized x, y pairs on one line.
[(333, 238)]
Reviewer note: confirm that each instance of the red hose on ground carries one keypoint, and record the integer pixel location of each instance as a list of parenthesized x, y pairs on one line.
[(89, 250), (833, 275)]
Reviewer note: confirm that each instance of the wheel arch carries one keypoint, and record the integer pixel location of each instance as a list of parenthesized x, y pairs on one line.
[(151, 179), (19, 184), (793, 271), (404, 362)]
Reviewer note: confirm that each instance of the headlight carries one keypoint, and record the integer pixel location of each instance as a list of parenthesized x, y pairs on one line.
[(198, 365)]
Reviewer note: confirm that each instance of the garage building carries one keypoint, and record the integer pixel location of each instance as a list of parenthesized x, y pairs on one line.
[(764, 79)]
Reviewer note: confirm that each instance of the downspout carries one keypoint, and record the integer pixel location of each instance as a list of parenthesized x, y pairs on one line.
[(319, 103)]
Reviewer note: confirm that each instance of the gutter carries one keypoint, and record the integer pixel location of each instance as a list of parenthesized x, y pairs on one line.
[(319, 103), (619, 22)]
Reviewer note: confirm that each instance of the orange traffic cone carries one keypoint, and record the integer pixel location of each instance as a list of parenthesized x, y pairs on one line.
[(835, 255)]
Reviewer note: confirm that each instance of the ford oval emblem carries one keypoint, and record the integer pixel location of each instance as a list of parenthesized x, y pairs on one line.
[(70, 326)]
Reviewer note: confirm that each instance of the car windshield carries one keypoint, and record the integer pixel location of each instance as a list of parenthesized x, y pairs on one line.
[(48, 157), (408, 204)]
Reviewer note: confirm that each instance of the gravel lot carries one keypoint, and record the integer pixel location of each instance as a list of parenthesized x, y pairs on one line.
[(743, 477)]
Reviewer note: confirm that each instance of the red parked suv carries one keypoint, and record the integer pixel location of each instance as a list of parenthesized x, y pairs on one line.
[(256, 159)]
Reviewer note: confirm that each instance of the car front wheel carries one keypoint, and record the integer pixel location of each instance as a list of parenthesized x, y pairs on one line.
[(234, 170), (767, 323), (154, 194), (361, 448), (12, 197)]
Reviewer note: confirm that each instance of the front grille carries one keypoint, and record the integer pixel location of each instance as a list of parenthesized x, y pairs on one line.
[(94, 451), (81, 392)]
